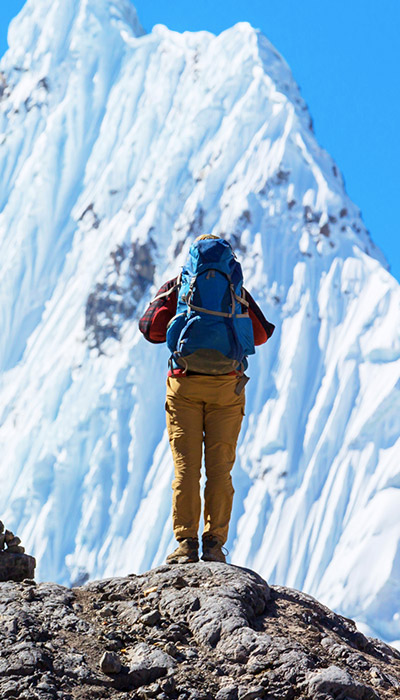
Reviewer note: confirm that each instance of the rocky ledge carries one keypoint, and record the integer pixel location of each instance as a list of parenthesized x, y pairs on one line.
[(194, 632)]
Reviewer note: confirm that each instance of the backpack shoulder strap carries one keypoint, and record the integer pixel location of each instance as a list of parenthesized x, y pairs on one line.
[(164, 298), (176, 285)]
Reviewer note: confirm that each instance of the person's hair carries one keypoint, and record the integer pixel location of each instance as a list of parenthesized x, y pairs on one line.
[(204, 236)]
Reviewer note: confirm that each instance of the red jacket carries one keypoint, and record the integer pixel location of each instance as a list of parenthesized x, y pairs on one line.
[(155, 319)]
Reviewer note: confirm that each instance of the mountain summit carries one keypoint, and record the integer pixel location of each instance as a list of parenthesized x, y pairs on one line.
[(117, 148), (194, 632)]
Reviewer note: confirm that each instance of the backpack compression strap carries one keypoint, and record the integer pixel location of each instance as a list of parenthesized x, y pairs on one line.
[(234, 298)]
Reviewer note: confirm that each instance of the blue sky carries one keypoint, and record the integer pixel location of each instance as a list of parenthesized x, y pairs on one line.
[(345, 55)]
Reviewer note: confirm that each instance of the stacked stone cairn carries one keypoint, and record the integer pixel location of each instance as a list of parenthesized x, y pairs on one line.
[(15, 565), (11, 541)]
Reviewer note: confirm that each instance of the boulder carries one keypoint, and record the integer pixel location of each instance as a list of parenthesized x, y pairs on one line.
[(16, 566)]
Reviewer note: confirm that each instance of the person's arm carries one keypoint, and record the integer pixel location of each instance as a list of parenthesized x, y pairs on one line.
[(161, 309), (262, 329)]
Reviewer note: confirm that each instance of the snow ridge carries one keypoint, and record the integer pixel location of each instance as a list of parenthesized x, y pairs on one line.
[(117, 148)]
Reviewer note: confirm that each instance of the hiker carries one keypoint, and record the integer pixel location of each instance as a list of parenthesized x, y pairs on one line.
[(211, 323)]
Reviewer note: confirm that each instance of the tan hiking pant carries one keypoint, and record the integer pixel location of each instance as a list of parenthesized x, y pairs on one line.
[(203, 409)]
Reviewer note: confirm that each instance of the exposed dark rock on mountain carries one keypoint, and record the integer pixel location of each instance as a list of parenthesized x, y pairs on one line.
[(129, 275), (194, 632)]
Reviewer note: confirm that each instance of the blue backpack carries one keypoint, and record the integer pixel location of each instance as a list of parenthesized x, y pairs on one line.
[(212, 332)]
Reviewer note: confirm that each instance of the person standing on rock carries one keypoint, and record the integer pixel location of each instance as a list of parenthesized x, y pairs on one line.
[(211, 324)]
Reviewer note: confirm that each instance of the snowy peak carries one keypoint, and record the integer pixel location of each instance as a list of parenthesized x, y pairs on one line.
[(53, 29), (56, 46), (53, 45)]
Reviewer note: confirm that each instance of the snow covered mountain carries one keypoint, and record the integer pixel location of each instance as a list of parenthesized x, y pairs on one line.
[(117, 148)]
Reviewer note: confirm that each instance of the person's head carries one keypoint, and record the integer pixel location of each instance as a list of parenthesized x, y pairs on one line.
[(204, 237)]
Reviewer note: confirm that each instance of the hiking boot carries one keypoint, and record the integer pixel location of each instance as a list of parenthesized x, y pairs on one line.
[(212, 550), (186, 552)]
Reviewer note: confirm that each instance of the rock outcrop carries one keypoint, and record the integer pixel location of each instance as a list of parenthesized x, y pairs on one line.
[(194, 632), (15, 565)]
